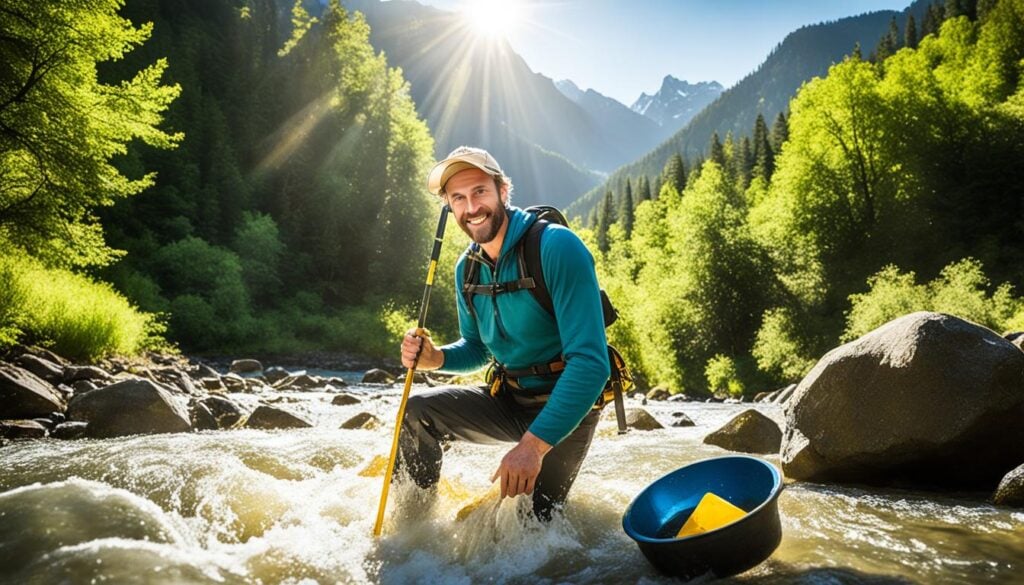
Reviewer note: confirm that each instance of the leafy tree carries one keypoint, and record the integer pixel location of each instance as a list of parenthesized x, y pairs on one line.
[(61, 127)]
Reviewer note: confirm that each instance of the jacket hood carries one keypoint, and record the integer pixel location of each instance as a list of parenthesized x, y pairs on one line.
[(519, 221)]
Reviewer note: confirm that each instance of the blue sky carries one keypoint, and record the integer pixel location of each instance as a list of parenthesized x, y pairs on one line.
[(624, 48)]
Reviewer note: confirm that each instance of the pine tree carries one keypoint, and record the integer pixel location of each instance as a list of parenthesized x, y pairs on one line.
[(605, 218), (643, 190), (910, 36), (717, 150), (743, 162), (780, 132), (764, 156), (984, 7), (674, 172), (889, 43), (932, 20), (626, 211), (856, 53)]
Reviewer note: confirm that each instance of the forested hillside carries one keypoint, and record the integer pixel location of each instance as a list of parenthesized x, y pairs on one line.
[(275, 206), (898, 187)]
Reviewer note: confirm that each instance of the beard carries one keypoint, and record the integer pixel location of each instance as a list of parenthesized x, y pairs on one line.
[(486, 231)]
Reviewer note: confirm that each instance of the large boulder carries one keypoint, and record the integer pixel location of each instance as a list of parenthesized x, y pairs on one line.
[(748, 432), (130, 407), (44, 368), (25, 395), (377, 376), (636, 418), (275, 374), (1011, 489), (22, 429), (272, 417), (927, 399), (363, 420), (74, 374), (245, 367)]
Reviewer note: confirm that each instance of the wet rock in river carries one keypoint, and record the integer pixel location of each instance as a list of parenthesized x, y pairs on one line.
[(70, 430), (45, 369), (204, 371), (748, 432), (363, 420), (245, 366), (636, 418), (299, 382), (377, 376), (1011, 489), (22, 429), (226, 412), (275, 374), (681, 420), (925, 399), (25, 395), (273, 417), (202, 418), (658, 393), (212, 384), (130, 407), (233, 382), (345, 399)]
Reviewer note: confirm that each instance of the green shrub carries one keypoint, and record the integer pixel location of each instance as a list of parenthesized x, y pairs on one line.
[(777, 349), (723, 376), (959, 290), (73, 315)]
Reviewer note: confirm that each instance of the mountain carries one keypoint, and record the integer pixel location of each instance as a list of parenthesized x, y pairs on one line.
[(476, 90), (677, 102), (804, 54), (613, 117)]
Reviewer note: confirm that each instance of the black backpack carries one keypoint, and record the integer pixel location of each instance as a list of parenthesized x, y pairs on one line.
[(531, 277)]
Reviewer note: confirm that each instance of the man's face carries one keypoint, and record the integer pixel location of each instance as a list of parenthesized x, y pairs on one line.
[(478, 206)]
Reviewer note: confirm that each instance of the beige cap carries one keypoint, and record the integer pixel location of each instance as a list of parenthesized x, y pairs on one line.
[(460, 159)]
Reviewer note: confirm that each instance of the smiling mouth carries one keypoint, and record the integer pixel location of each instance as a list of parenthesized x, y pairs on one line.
[(476, 221)]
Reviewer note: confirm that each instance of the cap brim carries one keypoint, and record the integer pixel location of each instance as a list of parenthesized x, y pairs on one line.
[(447, 168)]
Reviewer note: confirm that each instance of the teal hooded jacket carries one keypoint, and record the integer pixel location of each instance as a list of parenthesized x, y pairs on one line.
[(518, 332)]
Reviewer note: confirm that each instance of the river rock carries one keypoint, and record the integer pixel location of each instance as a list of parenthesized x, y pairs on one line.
[(39, 352), (275, 374), (201, 417), (73, 374), (225, 412), (658, 393), (173, 378), (233, 382), (299, 382), (25, 395), (255, 385), (681, 420), (22, 429), (345, 399), (747, 432), (377, 376), (83, 386), (1016, 338), (130, 407), (70, 430), (363, 420), (927, 399), (272, 417), (1011, 489), (204, 371), (245, 366), (636, 418), (212, 384), (45, 369)]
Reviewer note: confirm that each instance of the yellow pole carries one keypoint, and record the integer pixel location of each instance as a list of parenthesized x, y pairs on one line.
[(420, 332)]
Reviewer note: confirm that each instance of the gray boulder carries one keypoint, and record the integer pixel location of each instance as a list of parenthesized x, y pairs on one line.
[(25, 395), (83, 386), (363, 420), (22, 429), (377, 376), (658, 393), (212, 384), (748, 432), (272, 417), (926, 399), (74, 374), (299, 382), (45, 369), (225, 412), (203, 371), (70, 430), (130, 407), (245, 367), (679, 419), (1011, 489), (233, 382), (275, 374), (636, 418), (345, 399), (201, 417)]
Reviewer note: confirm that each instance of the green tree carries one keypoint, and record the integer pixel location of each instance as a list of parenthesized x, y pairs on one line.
[(61, 127), (674, 172), (910, 32), (764, 156), (780, 133), (717, 152), (625, 214), (605, 218)]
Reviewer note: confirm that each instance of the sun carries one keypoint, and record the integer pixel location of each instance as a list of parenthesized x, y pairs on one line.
[(492, 17)]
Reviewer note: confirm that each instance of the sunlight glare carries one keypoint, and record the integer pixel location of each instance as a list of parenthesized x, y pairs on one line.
[(492, 17)]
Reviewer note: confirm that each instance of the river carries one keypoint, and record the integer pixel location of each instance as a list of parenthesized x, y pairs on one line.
[(248, 506)]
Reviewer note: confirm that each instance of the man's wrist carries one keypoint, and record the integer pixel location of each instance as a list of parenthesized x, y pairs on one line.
[(535, 443)]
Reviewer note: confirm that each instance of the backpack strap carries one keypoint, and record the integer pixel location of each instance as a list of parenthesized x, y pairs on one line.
[(530, 265)]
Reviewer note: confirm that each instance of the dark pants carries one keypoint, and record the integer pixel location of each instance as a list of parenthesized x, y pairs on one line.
[(472, 414)]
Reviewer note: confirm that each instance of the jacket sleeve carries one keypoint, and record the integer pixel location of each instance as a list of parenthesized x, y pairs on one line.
[(469, 353), (572, 281)]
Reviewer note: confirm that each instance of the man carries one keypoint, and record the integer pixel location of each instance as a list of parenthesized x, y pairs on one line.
[(550, 417)]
